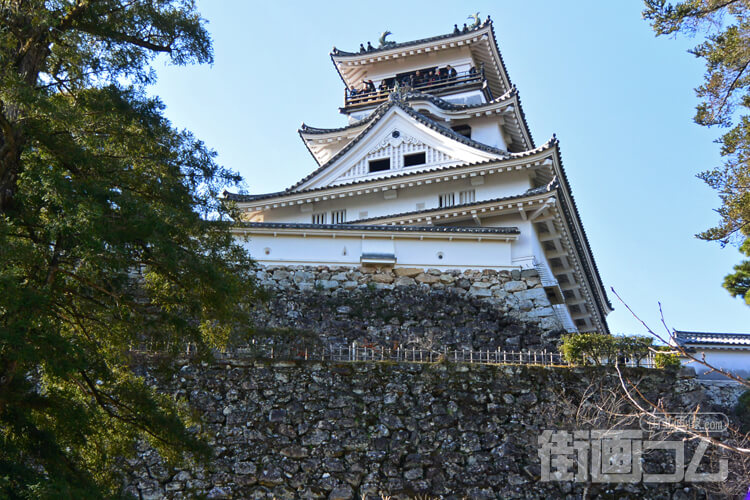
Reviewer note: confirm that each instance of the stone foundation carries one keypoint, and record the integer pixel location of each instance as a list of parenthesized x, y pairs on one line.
[(432, 309), (361, 430)]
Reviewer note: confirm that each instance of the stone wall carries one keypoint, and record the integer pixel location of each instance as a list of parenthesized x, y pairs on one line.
[(480, 310), (347, 430)]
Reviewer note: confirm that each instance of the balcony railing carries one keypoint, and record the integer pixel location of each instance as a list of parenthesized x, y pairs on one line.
[(435, 85)]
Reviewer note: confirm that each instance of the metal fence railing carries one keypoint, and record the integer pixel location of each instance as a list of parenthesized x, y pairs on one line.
[(355, 353)]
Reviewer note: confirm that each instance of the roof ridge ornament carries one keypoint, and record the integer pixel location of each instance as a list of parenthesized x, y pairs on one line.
[(477, 21), (385, 43), (399, 93)]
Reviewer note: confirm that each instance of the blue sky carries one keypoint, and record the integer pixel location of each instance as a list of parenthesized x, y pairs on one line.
[(619, 99)]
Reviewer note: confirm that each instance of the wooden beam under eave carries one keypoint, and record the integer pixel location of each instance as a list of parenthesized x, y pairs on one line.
[(569, 286), (523, 213), (555, 254), (575, 302), (550, 236)]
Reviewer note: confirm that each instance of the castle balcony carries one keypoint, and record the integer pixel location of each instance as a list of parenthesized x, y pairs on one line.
[(443, 85)]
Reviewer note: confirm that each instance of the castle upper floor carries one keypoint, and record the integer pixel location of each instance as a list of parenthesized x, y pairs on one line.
[(463, 67)]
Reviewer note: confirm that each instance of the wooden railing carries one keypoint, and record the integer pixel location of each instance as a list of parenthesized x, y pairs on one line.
[(466, 78)]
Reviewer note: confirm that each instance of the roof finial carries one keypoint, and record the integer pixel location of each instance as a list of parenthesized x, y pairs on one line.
[(383, 42), (370, 48), (488, 21), (476, 19), (456, 31), (362, 48), (465, 28)]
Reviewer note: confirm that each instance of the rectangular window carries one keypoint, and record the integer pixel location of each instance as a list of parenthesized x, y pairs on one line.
[(468, 196), (319, 218), (415, 159), (446, 200), (379, 165), (338, 216)]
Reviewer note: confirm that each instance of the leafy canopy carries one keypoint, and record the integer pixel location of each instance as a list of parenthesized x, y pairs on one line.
[(111, 236), (725, 100)]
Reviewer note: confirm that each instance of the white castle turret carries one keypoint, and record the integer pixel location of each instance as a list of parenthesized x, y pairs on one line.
[(436, 169)]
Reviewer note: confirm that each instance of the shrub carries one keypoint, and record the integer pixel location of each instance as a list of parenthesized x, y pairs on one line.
[(585, 348), (599, 349), (666, 359)]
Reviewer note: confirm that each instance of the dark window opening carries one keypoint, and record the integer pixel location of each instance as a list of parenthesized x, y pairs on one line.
[(380, 165), (464, 130), (415, 159)]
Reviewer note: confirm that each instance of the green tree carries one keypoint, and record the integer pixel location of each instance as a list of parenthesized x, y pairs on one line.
[(725, 99), (738, 283), (110, 236)]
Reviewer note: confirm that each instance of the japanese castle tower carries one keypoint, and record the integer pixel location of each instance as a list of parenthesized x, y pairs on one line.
[(436, 169)]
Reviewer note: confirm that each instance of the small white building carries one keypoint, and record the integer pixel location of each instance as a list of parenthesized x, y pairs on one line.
[(435, 169), (726, 351)]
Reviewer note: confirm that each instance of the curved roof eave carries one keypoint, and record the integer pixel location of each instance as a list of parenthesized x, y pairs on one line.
[(488, 163), (412, 96), (582, 243), (338, 56)]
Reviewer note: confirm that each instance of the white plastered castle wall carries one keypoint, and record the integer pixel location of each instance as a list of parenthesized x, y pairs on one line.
[(406, 200), (430, 252)]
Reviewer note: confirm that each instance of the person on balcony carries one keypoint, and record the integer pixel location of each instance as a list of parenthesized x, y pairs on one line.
[(417, 79), (368, 85), (451, 72)]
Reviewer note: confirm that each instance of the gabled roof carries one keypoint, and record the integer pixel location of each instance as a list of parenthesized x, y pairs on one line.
[(395, 101), (712, 339), (243, 198), (496, 75)]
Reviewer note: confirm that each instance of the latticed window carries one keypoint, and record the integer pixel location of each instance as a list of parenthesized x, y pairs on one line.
[(320, 218), (338, 216), (468, 196), (446, 200)]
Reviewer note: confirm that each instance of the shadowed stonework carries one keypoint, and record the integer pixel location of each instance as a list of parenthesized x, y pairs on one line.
[(343, 430)]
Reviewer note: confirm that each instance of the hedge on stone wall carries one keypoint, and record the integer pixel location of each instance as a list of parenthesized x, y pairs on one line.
[(600, 349)]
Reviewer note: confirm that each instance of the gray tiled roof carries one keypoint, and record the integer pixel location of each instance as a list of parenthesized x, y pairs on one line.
[(263, 196), (339, 53), (381, 228), (411, 96), (399, 45), (584, 248), (718, 339)]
